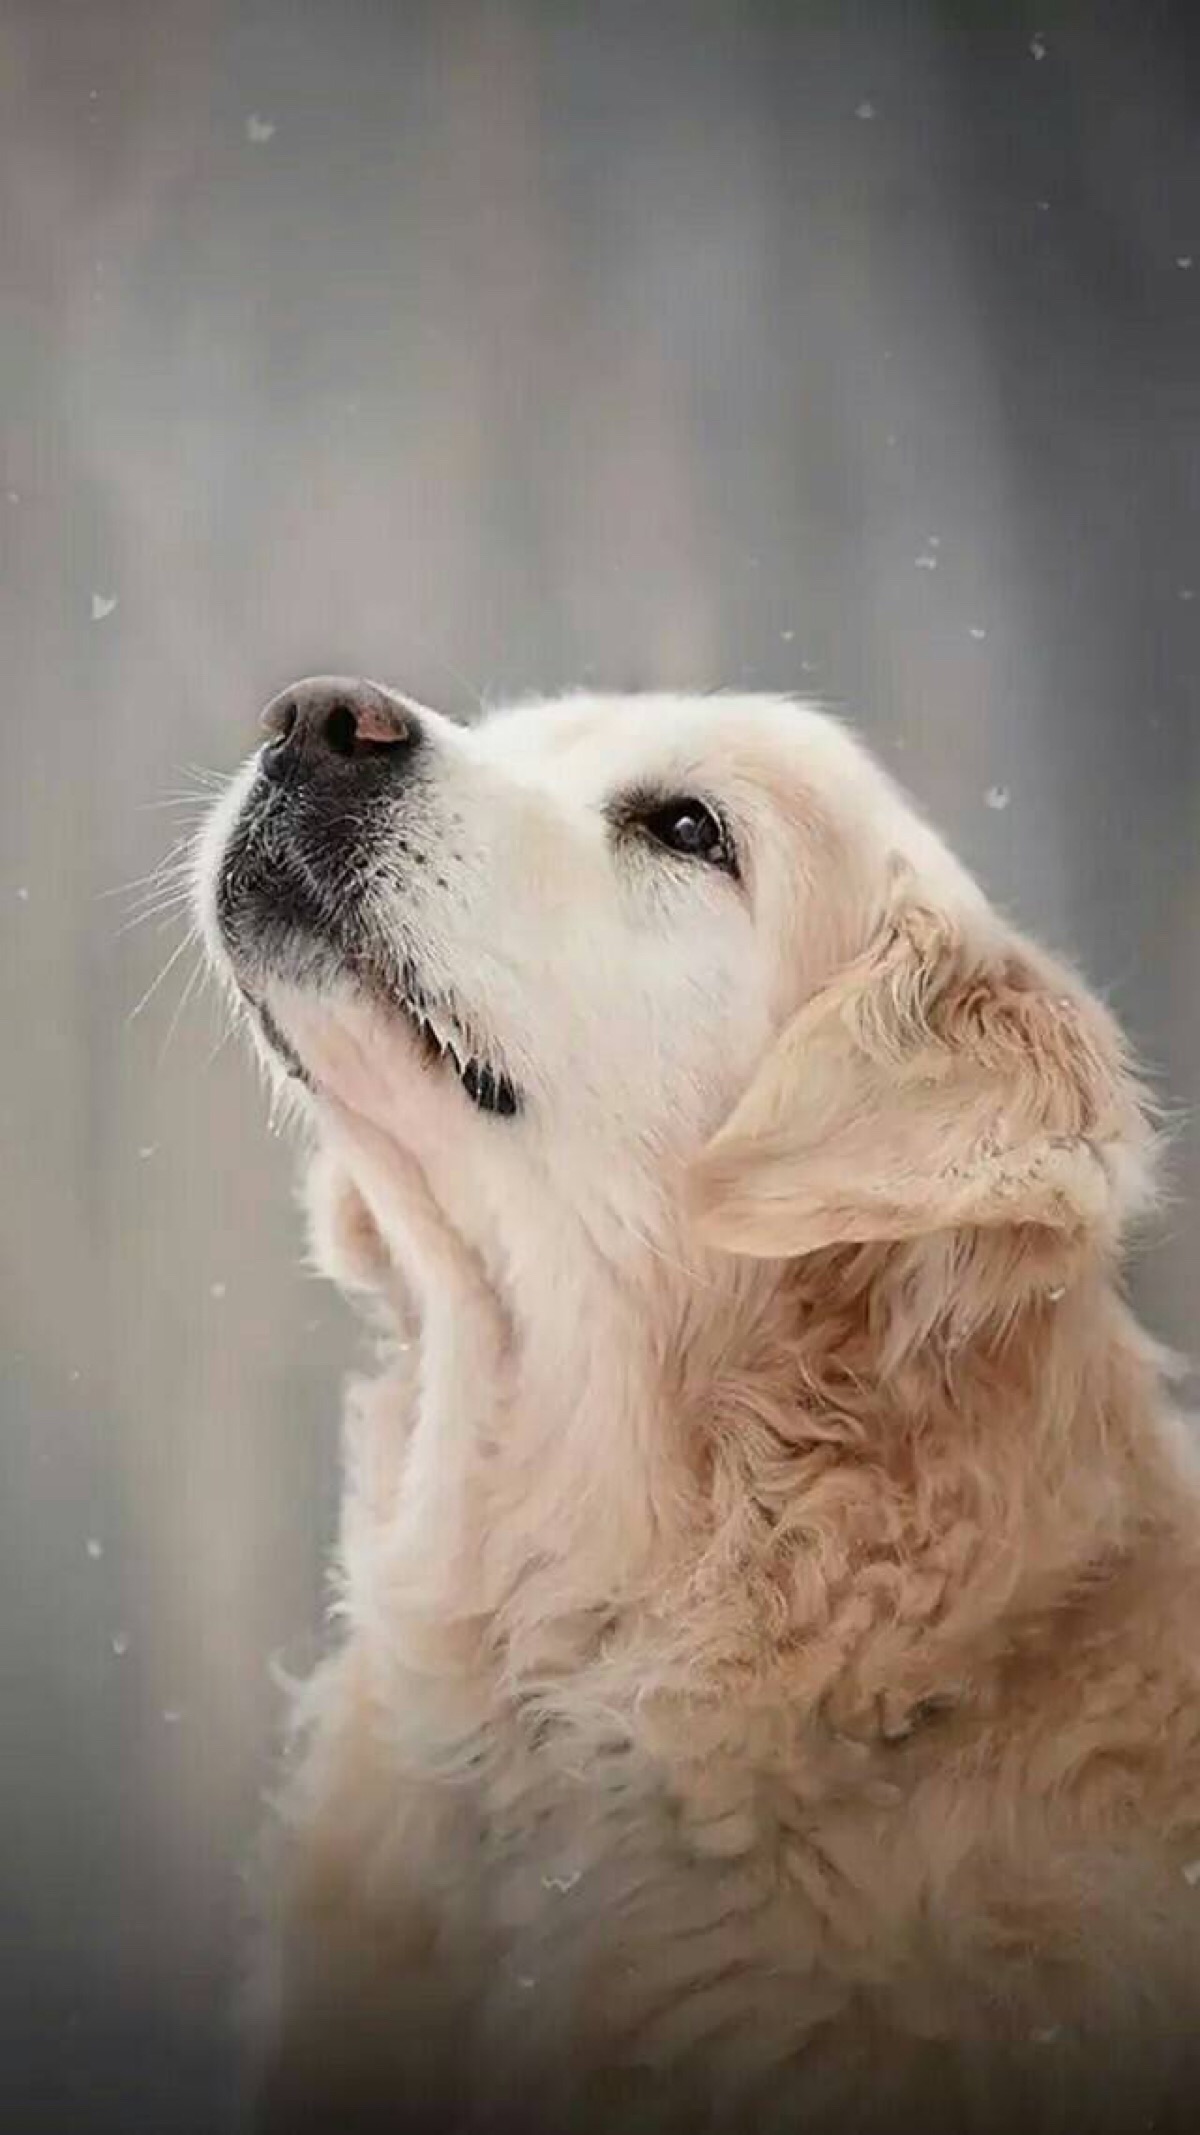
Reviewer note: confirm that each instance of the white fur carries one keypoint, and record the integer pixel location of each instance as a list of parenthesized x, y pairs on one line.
[(638, 1602)]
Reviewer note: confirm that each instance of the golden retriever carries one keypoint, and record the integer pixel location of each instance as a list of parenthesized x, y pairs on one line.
[(768, 1690)]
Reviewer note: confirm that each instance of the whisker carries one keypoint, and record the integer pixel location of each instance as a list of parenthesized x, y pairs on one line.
[(201, 802), (170, 964), (221, 1043), (231, 1010), (198, 973), (199, 789), (170, 870), (163, 878), (168, 910), (176, 861)]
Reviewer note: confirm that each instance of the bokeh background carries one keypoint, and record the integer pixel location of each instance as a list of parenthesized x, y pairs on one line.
[(848, 349)]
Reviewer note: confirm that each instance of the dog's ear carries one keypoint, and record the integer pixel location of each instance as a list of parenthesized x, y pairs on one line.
[(344, 1240), (932, 1087)]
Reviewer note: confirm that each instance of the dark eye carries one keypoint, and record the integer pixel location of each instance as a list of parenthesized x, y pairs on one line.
[(689, 827)]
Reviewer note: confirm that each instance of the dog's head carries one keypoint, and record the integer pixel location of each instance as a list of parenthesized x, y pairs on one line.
[(681, 969)]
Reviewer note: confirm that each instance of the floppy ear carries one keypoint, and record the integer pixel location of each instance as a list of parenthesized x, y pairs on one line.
[(931, 1087)]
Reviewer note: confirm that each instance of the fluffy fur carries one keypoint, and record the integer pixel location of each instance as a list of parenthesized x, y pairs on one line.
[(766, 1692)]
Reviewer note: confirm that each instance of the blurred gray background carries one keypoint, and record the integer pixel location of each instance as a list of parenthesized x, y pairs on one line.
[(850, 349)]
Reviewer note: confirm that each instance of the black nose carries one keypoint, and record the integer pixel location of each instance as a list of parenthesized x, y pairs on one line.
[(335, 723)]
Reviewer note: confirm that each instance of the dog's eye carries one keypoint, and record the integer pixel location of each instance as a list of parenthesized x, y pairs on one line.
[(689, 827)]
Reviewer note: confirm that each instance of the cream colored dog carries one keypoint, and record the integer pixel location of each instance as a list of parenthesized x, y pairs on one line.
[(769, 1689)]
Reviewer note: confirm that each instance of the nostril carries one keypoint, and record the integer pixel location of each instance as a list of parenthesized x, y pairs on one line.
[(335, 720), (278, 720), (340, 729), (364, 729)]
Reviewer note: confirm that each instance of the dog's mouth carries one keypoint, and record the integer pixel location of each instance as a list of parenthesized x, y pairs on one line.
[(289, 905), (444, 1041), (441, 1037)]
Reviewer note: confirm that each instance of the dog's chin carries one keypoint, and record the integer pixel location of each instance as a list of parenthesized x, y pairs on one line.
[(350, 1046), (296, 1000)]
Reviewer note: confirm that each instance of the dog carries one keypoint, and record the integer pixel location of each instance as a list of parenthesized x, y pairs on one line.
[(767, 1695)]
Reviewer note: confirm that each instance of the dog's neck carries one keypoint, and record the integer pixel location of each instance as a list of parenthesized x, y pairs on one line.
[(554, 1415), (604, 1451)]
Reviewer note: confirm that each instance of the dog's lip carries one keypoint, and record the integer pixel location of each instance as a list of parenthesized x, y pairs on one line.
[(442, 1030), (442, 1036), (280, 1043), (439, 1034)]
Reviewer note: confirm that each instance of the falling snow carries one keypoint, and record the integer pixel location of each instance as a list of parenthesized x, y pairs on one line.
[(562, 1883), (259, 130), (1187, 592), (95, 1548), (1047, 2036), (13, 496), (1043, 207), (1037, 45), (102, 605), (172, 1714), (997, 796), (120, 1643), (1184, 260), (926, 562), (217, 1289), (933, 541), (865, 110), (22, 894), (787, 636), (977, 631), (1191, 1873), (148, 1149)]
